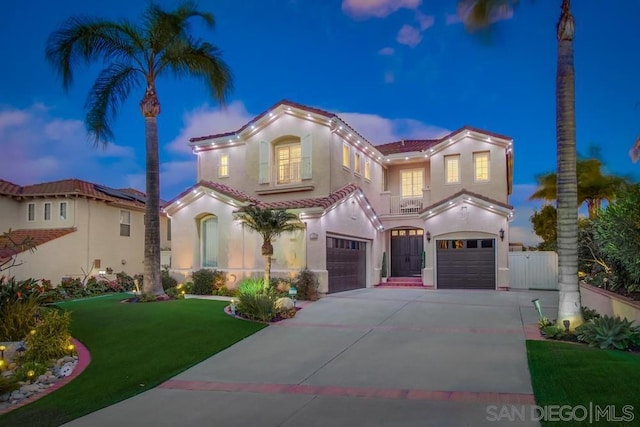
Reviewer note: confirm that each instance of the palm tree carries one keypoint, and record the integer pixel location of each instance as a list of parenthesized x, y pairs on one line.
[(269, 223), (480, 14), (136, 55), (593, 186)]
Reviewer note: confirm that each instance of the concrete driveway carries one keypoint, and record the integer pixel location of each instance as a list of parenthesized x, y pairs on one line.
[(374, 357)]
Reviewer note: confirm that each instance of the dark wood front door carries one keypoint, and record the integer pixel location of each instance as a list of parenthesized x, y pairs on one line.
[(406, 252)]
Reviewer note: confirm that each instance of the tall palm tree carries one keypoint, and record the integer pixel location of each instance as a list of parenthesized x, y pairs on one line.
[(480, 14), (135, 55), (269, 223), (593, 186)]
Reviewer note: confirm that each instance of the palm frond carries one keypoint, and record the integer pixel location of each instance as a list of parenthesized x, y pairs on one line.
[(82, 39), (109, 91), (200, 59), (481, 14)]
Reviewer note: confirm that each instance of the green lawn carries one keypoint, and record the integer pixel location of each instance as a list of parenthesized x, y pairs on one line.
[(133, 347), (571, 374)]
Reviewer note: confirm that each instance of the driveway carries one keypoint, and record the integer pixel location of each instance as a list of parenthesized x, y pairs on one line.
[(374, 357)]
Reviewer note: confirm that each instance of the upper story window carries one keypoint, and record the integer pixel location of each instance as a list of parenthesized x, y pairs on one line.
[(452, 169), (47, 211), (288, 157), (481, 166), (63, 211), (125, 223), (357, 160), (223, 165), (345, 155), (31, 212), (367, 168), (411, 182)]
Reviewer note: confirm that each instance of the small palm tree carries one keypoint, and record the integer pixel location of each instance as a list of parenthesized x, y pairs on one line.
[(135, 55), (593, 186), (269, 223)]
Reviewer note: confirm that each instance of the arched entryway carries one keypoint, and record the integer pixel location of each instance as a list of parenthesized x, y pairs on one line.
[(407, 248)]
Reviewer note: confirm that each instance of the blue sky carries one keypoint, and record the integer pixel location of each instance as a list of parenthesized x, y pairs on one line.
[(392, 68)]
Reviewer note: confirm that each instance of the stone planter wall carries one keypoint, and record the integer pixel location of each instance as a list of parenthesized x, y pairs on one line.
[(610, 303)]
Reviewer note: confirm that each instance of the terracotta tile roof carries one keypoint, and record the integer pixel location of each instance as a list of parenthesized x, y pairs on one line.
[(8, 188), (74, 187), (258, 117), (318, 202), (412, 145), (39, 236), (465, 192), (217, 187), (407, 145)]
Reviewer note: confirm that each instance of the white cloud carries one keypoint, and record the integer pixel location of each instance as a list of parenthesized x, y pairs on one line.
[(376, 8), (386, 51), (425, 21), (12, 118), (208, 121), (409, 36), (380, 130)]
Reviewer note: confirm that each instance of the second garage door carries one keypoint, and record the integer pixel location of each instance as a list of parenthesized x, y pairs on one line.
[(346, 264), (466, 264)]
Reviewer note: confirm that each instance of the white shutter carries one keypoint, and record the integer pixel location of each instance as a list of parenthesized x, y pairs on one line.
[(305, 148), (263, 174)]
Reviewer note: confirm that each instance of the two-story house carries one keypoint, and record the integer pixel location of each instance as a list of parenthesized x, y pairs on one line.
[(438, 208), (80, 228)]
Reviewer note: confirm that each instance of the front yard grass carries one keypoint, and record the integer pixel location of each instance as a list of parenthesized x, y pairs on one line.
[(134, 347), (571, 374)]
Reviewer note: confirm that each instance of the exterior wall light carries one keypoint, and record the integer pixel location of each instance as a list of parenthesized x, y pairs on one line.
[(501, 234), (428, 236)]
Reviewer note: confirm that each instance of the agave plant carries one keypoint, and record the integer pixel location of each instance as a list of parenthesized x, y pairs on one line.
[(608, 332)]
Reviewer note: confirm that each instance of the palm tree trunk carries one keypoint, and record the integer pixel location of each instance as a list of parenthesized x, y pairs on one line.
[(267, 271), (569, 307), (150, 107)]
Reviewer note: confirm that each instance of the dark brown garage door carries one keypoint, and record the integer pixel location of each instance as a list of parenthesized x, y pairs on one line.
[(466, 264), (346, 263)]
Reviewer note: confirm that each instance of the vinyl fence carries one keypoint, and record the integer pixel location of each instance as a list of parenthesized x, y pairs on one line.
[(533, 270)]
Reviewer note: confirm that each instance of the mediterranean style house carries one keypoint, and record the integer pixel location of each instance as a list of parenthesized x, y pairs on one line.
[(80, 229), (439, 208)]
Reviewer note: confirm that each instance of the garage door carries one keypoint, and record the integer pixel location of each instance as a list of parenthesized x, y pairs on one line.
[(346, 263), (466, 264)]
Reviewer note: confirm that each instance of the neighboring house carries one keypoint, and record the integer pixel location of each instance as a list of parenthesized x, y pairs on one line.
[(438, 208), (79, 228)]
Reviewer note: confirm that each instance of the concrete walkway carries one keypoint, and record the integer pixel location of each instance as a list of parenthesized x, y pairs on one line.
[(374, 357)]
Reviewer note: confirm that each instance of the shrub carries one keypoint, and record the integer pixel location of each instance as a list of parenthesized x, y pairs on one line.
[(174, 293), (8, 384), (307, 285), (544, 322), (279, 286), (51, 339), (589, 313), (12, 290), (167, 280), (250, 286), (202, 282), (617, 234), (256, 306), (73, 288), (34, 368), (96, 286), (18, 318), (125, 281), (553, 332), (609, 333)]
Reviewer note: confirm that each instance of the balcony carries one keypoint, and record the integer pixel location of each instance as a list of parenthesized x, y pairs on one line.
[(391, 205)]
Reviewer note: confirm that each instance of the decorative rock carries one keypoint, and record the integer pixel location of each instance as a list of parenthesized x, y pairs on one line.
[(67, 359), (16, 396), (6, 373), (29, 388), (67, 369), (284, 304), (5, 397)]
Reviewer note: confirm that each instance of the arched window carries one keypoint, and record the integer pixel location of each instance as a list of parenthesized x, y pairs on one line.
[(209, 241)]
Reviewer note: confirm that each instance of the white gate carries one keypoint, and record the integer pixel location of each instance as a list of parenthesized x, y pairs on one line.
[(533, 270)]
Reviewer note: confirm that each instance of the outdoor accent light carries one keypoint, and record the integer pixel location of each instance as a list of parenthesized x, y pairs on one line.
[(536, 304), (21, 349), (32, 332), (566, 324), (30, 373), (232, 307), (71, 347), (428, 236), (2, 363), (293, 292), (501, 234), (2, 349)]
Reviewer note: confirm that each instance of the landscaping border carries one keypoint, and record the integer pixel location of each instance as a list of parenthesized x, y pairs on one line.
[(609, 303)]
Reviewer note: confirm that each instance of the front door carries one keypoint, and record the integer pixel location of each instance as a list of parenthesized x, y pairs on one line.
[(406, 252)]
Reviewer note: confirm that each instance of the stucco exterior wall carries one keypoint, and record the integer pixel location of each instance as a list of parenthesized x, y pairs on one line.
[(495, 188), (9, 213)]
